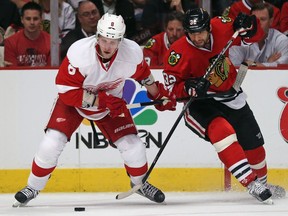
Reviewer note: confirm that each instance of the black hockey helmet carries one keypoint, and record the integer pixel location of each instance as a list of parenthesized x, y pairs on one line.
[(196, 20)]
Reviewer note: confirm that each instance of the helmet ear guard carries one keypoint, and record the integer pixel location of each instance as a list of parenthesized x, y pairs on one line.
[(111, 26), (196, 20)]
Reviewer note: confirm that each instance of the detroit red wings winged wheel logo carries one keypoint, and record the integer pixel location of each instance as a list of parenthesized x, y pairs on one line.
[(283, 122)]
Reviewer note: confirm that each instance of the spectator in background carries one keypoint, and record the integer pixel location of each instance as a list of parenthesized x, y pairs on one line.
[(9, 18), (154, 14), (158, 45), (125, 8), (244, 6), (67, 19), (277, 3), (139, 30), (88, 16), (219, 6), (20, 3), (269, 51), (29, 46), (284, 19)]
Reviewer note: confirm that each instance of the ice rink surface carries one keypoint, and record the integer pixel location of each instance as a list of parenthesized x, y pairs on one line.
[(176, 204)]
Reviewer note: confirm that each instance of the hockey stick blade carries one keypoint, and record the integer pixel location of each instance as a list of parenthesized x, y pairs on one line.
[(242, 71), (128, 193)]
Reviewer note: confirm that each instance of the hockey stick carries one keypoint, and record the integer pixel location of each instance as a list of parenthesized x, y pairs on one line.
[(94, 132), (220, 94), (208, 72)]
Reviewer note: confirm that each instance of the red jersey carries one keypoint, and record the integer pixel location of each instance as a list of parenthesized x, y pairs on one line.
[(284, 18), (21, 51), (244, 7), (155, 49), (183, 60)]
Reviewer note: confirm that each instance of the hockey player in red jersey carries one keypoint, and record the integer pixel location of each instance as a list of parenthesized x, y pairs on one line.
[(229, 125), (90, 85), (157, 46)]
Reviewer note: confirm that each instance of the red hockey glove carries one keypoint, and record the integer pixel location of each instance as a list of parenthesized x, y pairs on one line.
[(116, 105), (169, 102)]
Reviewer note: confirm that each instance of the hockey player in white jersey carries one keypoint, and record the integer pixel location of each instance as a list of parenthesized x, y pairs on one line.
[(90, 85)]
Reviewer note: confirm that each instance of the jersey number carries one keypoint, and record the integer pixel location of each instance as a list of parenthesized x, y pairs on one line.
[(169, 79)]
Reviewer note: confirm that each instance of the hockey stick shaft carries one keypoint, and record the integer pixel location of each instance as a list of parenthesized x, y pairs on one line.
[(167, 139), (221, 94), (222, 53), (94, 132)]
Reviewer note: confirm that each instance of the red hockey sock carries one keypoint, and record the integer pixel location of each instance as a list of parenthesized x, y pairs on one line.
[(223, 137), (256, 158), (39, 171), (136, 171)]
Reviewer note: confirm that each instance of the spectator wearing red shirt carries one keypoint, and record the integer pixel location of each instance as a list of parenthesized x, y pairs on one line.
[(244, 6), (157, 46), (29, 46)]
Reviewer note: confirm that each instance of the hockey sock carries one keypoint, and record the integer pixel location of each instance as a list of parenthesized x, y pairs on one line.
[(256, 158), (39, 171), (223, 137)]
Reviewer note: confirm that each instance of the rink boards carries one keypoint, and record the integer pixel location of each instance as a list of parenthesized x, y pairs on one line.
[(187, 163)]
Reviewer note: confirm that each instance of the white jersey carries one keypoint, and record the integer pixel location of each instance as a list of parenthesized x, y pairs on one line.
[(84, 69)]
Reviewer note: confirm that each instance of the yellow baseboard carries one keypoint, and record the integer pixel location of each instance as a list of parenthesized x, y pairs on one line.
[(115, 179)]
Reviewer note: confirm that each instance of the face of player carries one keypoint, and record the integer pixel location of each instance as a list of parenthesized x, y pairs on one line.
[(265, 21), (199, 39), (31, 21), (107, 46), (174, 30)]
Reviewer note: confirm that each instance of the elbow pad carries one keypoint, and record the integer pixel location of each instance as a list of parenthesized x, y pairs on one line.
[(148, 80)]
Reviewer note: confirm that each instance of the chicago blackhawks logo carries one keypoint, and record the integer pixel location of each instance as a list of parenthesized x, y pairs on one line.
[(173, 58), (283, 122), (220, 71), (150, 43)]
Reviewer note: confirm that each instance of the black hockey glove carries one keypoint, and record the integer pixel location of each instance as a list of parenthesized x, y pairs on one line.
[(247, 23), (197, 86)]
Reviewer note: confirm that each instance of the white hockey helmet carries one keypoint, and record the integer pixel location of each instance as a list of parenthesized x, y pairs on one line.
[(111, 26)]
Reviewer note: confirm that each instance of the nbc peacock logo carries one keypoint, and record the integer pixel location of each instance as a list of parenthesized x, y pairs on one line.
[(141, 115)]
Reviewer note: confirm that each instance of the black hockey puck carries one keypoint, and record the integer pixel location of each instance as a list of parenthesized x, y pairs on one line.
[(79, 209)]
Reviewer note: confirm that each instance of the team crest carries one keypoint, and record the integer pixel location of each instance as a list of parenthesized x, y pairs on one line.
[(173, 58), (150, 43), (221, 70)]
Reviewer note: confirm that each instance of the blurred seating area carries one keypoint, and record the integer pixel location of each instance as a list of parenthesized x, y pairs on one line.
[(144, 18)]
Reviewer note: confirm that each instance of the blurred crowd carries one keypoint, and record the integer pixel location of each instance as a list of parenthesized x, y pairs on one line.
[(153, 24)]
